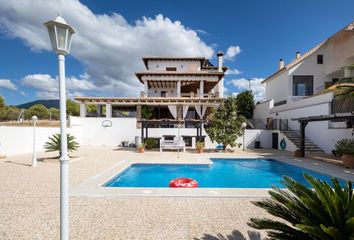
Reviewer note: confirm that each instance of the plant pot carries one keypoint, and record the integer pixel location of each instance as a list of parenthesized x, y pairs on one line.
[(297, 153), (141, 150), (347, 160), (200, 150)]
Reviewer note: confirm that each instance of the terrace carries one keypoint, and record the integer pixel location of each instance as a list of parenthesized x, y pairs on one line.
[(29, 208)]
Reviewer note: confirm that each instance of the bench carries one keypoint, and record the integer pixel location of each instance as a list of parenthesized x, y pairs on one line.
[(172, 144)]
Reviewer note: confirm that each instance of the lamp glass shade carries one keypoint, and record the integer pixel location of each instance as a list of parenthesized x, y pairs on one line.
[(60, 34), (68, 41), (51, 31), (61, 38)]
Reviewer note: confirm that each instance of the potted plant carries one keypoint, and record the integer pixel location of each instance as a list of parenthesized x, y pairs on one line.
[(200, 146), (345, 149), (141, 147)]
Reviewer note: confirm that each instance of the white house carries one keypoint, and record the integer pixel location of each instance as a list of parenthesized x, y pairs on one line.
[(298, 89), (178, 95)]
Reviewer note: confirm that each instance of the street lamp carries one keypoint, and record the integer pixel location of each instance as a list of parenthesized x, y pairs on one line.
[(60, 34), (243, 126), (34, 156)]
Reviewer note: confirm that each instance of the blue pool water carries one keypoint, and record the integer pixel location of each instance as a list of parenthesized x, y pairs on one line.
[(234, 173)]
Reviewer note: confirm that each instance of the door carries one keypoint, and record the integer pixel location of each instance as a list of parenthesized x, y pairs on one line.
[(275, 140)]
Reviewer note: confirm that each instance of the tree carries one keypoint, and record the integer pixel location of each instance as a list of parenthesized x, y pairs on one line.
[(225, 124), (72, 108), (39, 110), (12, 112), (2, 102), (321, 213), (245, 104), (54, 113), (54, 143)]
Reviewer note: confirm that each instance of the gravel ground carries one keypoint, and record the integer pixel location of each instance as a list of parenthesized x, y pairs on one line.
[(29, 205)]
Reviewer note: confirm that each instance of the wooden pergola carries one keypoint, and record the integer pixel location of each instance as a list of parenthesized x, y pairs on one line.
[(305, 120), (212, 101)]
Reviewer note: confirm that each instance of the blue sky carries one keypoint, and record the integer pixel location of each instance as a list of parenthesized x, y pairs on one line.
[(114, 35)]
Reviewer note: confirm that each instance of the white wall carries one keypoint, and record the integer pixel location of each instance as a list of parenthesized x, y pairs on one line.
[(181, 65), (310, 67), (156, 92), (19, 140), (317, 132), (278, 88), (90, 131), (262, 110)]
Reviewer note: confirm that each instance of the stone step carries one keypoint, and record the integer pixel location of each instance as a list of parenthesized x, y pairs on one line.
[(294, 137)]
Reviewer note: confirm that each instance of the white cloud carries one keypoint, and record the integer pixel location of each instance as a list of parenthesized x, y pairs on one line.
[(49, 87), (109, 46), (231, 52), (233, 72), (257, 87), (5, 83)]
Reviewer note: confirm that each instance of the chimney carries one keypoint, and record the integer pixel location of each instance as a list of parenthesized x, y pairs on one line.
[(281, 64), (298, 55), (219, 55)]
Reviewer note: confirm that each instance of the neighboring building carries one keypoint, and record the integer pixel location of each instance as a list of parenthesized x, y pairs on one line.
[(298, 89), (177, 92)]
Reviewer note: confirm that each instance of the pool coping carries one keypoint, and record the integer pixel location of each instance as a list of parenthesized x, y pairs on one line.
[(93, 187)]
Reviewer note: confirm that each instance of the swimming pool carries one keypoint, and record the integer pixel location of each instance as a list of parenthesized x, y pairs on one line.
[(223, 173)]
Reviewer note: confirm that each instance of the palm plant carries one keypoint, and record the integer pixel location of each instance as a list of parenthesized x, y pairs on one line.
[(54, 143), (321, 213)]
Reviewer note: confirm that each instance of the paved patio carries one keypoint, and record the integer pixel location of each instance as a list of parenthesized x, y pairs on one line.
[(29, 203)]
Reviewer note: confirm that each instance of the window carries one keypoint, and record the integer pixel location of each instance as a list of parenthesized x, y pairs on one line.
[(171, 69), (163, 93), (302, 85), (319, 59)]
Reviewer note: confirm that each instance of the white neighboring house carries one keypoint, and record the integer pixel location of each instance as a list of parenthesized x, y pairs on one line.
[(297, 90)]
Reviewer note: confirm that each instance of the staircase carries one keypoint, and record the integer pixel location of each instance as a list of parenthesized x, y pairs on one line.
[(294, 136)]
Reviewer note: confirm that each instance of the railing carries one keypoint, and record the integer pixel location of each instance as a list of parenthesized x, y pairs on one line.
[(270, 124)]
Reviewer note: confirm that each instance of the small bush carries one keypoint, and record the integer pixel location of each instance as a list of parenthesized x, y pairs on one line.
[(199, 145), (150, 143), (344, 146), (54, 143)]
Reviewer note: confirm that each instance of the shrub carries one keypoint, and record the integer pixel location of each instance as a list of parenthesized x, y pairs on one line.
[(54, 143), (54, 113), (344, 146), (72, 108), (141, 145), (321, 213), (150, 143), (39, 110), (199, 145)]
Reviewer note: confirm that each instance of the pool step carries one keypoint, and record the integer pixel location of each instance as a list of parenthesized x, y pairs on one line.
[(310, 147)]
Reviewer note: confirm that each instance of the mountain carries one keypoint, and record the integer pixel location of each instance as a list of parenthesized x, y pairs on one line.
[(47, 103)]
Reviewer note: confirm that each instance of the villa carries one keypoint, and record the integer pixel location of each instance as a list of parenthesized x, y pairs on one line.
[(306, 87), (179, 92)]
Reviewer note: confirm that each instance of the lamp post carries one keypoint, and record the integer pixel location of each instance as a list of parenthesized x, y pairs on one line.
[(34, 155), (243, 126), (60, 34)]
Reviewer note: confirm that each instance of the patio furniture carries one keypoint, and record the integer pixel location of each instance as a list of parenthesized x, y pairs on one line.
[(172, 144)]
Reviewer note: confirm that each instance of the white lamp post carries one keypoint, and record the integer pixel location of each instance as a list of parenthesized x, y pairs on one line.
[(243, 126), (60, 34), (34, 156)]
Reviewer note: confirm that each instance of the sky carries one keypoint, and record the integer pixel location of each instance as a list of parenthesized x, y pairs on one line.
[(112, 37)]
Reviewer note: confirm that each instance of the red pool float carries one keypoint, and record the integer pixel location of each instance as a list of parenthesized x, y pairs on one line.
[(183, 183)]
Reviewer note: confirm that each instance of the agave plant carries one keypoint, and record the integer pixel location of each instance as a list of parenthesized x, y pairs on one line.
[(318, 213), (54, 143)]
